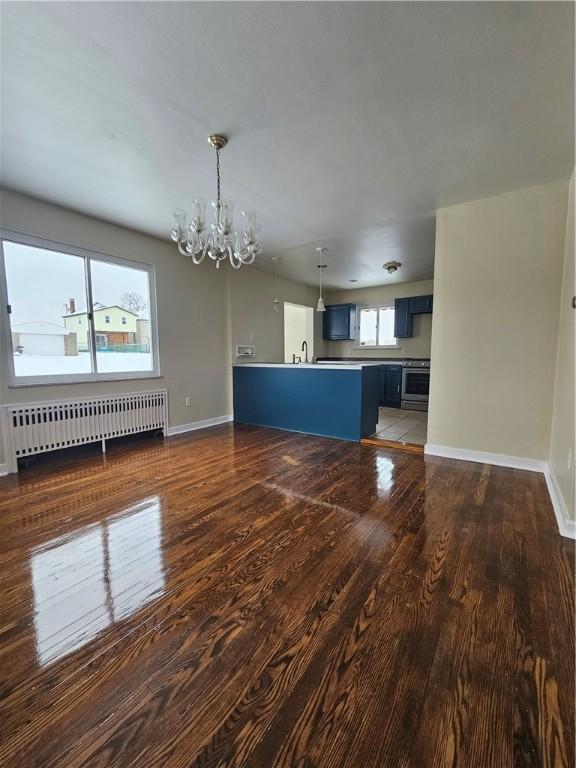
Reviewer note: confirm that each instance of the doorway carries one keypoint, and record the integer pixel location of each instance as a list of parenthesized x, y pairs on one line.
[(298, 327)]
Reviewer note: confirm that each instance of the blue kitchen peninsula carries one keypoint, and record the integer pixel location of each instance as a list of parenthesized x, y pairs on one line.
[(333, 401)]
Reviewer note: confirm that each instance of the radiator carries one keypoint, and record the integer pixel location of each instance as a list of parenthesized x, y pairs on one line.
[(30, 428)]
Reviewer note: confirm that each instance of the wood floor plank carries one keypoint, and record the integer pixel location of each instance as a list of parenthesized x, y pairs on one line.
[(249, 597)]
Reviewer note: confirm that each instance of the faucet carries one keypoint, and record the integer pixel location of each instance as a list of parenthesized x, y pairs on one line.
[(294, 360), (304, 348)]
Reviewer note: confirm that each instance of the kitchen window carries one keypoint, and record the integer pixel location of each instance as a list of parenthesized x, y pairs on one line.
[(75, 315), (376, 327)]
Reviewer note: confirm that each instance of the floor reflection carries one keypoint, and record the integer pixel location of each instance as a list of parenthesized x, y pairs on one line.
[(85, 582), (385, 474)]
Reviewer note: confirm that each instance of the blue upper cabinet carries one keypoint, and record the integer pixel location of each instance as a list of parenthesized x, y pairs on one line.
[(420, 305), (405, 309), (339, 322), (402, 319)]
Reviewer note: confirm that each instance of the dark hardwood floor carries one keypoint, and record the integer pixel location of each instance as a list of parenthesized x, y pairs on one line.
[(250, 597)]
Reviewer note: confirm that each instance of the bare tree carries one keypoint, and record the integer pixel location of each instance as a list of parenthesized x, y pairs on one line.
[(134, 302)]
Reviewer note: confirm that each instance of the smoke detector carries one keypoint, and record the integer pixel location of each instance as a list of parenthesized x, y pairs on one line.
[(392, 266)]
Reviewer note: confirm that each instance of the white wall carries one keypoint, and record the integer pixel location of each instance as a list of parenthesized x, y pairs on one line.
[(192, 312), (497, 279), (298, 327), (562, 442), (417, 346)]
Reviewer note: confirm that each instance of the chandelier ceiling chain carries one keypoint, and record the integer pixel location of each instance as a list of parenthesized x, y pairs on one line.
[(218, 183), (221, 242)]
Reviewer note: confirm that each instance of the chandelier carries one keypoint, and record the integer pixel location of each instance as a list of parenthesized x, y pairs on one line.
[(220, 242)]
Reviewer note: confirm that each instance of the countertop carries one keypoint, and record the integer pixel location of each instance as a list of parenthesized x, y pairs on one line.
[(371, 360), (315, 366)]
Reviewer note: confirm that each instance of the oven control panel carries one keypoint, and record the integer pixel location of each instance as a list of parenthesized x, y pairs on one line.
[(416, 364)]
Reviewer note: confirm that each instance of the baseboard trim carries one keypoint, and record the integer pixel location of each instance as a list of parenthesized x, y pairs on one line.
[(566, 526), (3, 469), (179, 429), (482, 457)]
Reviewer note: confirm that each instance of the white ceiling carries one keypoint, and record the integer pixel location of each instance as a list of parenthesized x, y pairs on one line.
[(349, 123)]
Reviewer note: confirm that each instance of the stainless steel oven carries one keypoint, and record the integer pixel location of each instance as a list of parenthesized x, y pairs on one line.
[(415, 384)]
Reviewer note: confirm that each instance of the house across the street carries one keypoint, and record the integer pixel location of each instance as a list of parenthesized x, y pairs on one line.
[(114, 326)]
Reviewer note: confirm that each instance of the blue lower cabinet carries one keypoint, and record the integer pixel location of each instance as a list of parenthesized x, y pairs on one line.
[(390, 386), (327, 402)]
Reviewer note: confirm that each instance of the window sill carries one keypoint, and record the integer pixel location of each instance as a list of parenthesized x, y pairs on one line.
[(54, 382), (383, 346)]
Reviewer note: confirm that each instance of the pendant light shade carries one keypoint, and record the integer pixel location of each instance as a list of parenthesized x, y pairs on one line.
[(320, 307)]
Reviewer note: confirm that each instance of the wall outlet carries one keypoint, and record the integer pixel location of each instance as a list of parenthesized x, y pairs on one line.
[(188, 401)]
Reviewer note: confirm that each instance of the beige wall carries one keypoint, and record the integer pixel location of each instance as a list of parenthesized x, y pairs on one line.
[(202, 313), (417, 346), (497, 279), (562, 442), (191, 304), (252, 316)]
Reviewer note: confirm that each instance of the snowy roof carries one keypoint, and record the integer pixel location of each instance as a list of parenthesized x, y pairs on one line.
[(41, 327), (102, 309)]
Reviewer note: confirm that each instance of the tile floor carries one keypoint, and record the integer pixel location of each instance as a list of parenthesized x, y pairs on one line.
[(402, 426)]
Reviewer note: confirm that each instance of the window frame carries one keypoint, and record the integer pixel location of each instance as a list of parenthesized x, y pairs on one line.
[(87, 255), (377, 307)]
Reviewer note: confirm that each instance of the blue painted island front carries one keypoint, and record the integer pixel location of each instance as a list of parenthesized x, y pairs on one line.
[(333, 401)]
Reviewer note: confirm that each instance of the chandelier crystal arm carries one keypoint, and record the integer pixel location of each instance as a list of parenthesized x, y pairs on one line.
[(198, 256), (182, 249), (235, 261)]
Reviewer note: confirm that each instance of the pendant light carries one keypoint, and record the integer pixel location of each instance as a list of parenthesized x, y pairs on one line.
[(276, 302), (320, 307)]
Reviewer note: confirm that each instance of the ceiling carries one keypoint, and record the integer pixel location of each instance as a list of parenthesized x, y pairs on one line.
[(349, 123)]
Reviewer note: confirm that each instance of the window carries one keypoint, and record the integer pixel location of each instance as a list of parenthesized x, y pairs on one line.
[(377, 327), (53, 294)]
